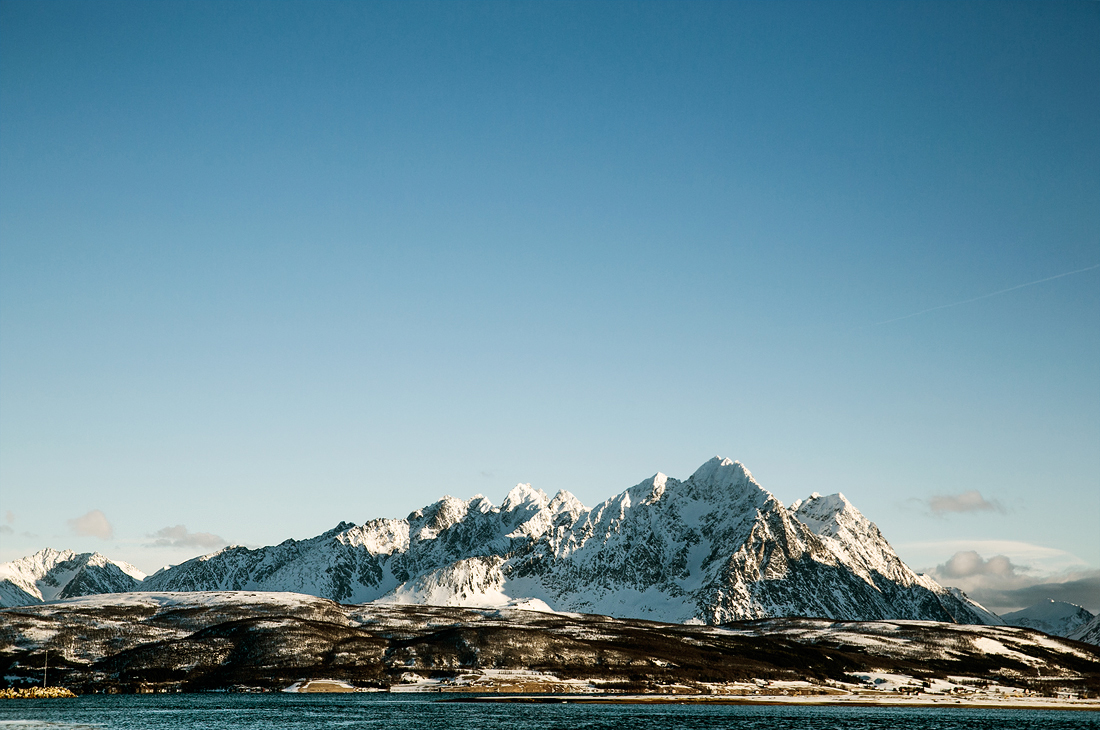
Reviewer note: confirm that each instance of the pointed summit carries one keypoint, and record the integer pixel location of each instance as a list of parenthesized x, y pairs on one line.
[(826, 515), (719, 479), (719, 465), (565, 502), (523, 495), (649, 491)]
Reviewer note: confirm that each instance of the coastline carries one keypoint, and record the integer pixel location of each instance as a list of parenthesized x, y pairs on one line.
[(1037, 703)]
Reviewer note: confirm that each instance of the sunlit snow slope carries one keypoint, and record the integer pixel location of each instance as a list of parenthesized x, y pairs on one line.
[(50, 575)]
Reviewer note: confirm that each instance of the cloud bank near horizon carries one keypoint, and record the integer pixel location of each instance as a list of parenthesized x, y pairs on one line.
[(1002, 586)]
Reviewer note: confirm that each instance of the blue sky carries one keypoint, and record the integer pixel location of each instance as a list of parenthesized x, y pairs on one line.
[(269, 266)]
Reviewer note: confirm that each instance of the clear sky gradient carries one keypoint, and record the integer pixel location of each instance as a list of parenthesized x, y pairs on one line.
[(269, 266)]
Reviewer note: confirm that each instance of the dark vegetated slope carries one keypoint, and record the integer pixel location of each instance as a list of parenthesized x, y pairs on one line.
[(165, 641), (272, 651)]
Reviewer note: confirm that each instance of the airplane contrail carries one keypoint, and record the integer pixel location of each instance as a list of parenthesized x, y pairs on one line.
[(987, 296)]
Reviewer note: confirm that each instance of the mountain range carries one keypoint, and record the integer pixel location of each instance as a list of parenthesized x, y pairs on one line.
[(714, 548)]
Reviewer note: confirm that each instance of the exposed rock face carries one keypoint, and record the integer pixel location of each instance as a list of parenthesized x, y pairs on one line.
[(714, 548), (51, 575)]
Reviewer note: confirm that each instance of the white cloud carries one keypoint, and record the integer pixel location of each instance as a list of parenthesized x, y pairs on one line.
[(971, 501), (968, 563), (178, 536), (6, 530), (1001, 585), (10, 517), (94, 524)]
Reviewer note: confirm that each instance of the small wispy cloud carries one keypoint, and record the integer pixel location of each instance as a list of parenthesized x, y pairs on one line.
[(971, 501), (179, 537), (987, 296), (6, 530), (94, 524), (9, 517)]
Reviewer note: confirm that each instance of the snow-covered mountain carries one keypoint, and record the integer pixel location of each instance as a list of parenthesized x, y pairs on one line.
[(50, 575), (714, 548), (1088, 632), (1057, 618)]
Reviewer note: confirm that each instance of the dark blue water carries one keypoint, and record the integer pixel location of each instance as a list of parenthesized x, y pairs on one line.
[(421, 712)]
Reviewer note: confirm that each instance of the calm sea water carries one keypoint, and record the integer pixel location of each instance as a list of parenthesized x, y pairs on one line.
[(417, 712)]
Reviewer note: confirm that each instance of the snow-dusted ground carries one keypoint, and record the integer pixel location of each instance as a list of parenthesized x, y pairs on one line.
[(185, 599), (905, 639), (275, 636)]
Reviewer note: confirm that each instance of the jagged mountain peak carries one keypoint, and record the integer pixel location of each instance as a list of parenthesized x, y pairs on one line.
[(861, 547), (428, 522), (524, 495), (825, 515), (99, 560), (53, 574), (44, 559), (851, 535), (380, 537), (565, 501), (648, 491), (719, 469), (48, 559), (720, 480)]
